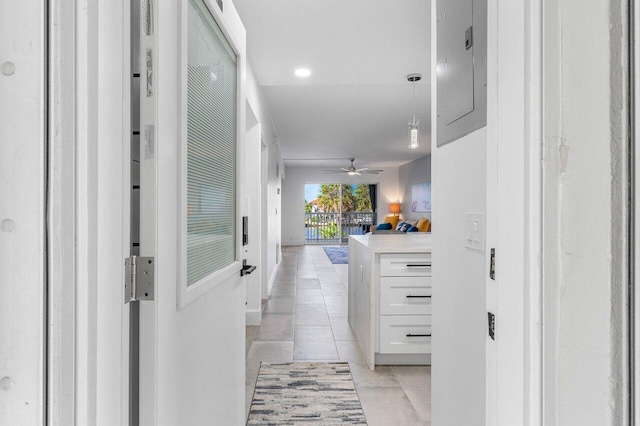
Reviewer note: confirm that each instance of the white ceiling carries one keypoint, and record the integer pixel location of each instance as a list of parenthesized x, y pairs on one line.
[(357, 101)]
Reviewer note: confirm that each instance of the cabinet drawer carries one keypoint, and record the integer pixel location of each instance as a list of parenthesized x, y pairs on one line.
[(405, 265), (409, 334), (405, 295)]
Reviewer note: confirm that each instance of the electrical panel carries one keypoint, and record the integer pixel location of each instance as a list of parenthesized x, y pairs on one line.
[(461, 68)]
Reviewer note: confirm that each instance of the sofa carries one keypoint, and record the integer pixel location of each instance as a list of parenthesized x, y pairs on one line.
[(400, 226)]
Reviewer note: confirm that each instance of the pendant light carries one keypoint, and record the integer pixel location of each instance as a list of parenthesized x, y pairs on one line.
[(414, 124)]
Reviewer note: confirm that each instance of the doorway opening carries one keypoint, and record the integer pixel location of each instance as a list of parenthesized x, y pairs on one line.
[(335, 211)]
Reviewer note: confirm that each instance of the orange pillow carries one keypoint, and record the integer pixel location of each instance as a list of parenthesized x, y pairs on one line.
[(393, 220), (423, 225)]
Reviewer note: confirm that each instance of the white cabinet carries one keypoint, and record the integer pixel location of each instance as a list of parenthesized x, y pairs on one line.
[(390, 298), (405, 265), (405, 304), (405, 334), (360, 296), (405, 295)]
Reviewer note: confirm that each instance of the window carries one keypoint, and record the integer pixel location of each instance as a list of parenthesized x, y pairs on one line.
[(211, 178)]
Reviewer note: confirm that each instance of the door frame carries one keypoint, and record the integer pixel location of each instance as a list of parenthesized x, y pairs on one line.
[(634, 214), (514, 383), (67, 342), (83, 36)]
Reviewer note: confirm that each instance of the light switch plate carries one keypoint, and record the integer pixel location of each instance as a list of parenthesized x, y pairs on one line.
[(474, 231)]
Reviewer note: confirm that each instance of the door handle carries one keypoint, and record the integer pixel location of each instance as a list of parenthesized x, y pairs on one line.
[(418, 335), (246, 269), (418, 265)]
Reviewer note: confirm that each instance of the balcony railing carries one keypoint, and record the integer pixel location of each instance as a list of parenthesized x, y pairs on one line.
[(335, 228)]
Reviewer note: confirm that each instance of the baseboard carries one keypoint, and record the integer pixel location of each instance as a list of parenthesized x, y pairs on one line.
[(254, 317), (403, 359), (272, 280)]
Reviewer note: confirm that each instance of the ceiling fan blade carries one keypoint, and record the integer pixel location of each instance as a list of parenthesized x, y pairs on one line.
[(357, 173), (344, 170), (366, 168), (371, 172), (333, 171)]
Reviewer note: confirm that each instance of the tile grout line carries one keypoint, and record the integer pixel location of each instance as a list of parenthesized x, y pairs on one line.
[(311, 264)]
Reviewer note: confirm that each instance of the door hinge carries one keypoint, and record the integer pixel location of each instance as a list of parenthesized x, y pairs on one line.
[(139, 279), (468, 38), (492, 325), (492, 265)]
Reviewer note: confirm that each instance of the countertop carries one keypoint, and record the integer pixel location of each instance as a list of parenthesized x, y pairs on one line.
[(395, 243)]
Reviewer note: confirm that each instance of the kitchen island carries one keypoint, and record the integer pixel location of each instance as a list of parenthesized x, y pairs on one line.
[(390, 297)]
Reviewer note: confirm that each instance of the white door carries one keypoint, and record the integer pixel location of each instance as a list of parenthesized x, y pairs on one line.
[(22, 212), (192, 336)]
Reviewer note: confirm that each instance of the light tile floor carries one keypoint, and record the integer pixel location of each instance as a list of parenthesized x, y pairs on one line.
[(305, 319)]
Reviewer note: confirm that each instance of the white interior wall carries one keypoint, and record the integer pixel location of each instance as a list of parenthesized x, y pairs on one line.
[(293, 231), (275, 171), (264, 195), (458, 376), (253, 210), (268, 186), (259, 105), (417, 171), (274, 192), (459, 316)]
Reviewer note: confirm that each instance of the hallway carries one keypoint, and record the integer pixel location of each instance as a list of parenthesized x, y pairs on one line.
[(305, 319)]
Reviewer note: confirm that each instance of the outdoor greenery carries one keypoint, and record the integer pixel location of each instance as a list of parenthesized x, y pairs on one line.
[(329, 232), (355, 198), (326, 221)]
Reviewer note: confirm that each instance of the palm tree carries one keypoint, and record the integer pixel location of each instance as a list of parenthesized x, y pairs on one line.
[(329, 198), (348, 200), (362, 198)]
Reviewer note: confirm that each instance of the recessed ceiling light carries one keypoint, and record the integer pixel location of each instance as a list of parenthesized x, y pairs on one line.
[(303, 72)]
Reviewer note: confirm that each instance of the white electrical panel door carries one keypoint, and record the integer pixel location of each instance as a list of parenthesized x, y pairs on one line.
[(455, 54), (461, 68)]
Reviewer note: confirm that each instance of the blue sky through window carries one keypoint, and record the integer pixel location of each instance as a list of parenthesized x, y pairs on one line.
[(312, 190)]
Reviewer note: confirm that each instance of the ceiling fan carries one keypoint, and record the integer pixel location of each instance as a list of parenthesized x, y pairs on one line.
[(352, 171)]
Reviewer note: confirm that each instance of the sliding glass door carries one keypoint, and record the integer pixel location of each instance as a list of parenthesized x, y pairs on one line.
[(335, 211)]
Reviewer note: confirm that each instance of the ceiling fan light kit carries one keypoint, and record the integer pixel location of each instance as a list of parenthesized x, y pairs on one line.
[(352, 171), (414, 124)]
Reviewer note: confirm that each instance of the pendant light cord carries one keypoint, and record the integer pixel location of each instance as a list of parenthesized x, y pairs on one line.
[(414, 101)]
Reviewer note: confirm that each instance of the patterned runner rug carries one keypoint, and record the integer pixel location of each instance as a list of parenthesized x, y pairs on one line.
[(302, 393), (338, 255)]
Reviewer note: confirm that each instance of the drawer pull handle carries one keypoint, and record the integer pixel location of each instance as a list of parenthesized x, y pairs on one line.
[(418, 265), (418, 335), (410, 296)]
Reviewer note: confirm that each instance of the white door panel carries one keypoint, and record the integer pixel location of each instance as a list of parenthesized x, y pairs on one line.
[(192, 338)]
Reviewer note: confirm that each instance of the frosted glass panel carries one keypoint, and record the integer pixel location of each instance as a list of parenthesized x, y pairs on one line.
[(211, 147)]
